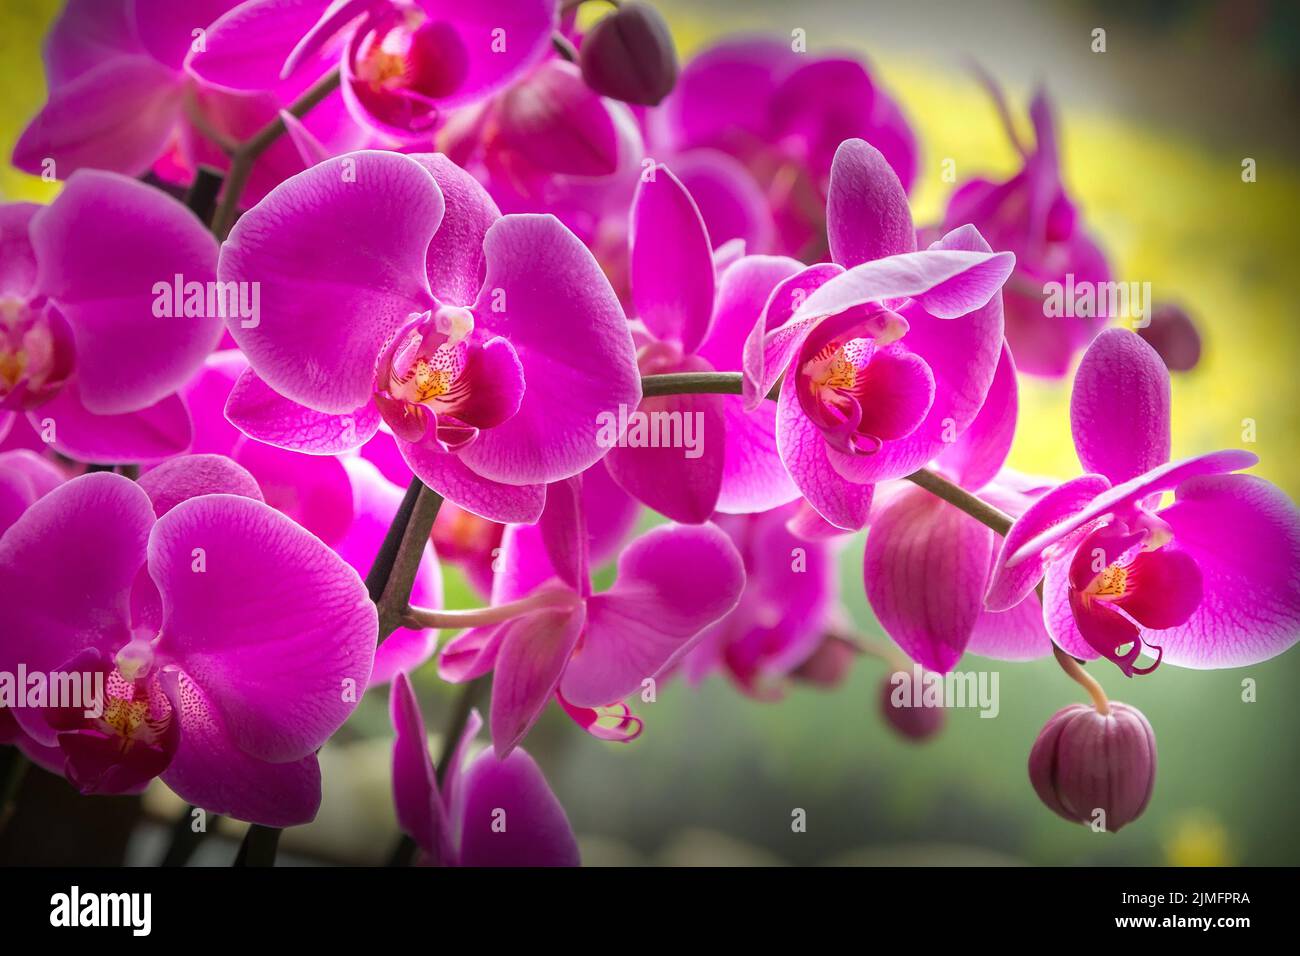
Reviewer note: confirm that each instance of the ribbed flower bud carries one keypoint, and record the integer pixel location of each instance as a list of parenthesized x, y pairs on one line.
[(629, 56), (903, 706), (1093, 768)]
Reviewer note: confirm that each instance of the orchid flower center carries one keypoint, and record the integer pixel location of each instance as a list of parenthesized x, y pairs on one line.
[(403, 62), (858, 385), (427, 362), (36, 353), (438, 378), (1128, 577)]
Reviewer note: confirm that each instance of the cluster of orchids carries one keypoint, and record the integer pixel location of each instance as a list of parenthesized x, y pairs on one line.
[(337, 293)]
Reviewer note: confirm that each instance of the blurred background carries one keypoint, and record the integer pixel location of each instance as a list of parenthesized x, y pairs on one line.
[(1154, 133)]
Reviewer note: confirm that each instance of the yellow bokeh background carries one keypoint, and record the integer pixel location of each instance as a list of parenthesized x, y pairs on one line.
[(1167, 210)]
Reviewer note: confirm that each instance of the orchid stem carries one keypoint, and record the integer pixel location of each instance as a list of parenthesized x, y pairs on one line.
[(392, 574), (983, 512), (417, 617), (564, 47), (1085, 680), (15, 773), (259, 846), (246, 153), (879, 650), (185, 839)]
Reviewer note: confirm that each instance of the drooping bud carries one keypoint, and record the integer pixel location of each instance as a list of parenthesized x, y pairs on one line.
[(904, 706), (1173, 335), (829, 664), (629, 56), (1093, 768)]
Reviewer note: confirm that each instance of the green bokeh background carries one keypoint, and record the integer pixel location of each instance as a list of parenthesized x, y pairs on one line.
[(1155, 131)]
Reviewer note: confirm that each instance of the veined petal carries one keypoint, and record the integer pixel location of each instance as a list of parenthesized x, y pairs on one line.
[(925, 570), (279, 661), (673, 582), (1119, 407), (566, 325), (129, 354), (867, 213), (339, 253), (1244, 535), (534, 651), (265, 415), (415, 790), (671, 261)]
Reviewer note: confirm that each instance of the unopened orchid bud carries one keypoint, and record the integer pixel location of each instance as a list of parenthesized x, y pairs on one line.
[(829, 664), (1093, 768), (1173, 335), (905, 709), (629, 56)]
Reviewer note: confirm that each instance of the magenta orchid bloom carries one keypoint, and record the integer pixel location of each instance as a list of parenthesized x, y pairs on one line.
[(721, 459), (393, 291), (784, 614), (887, 353), (1210, 580), (403, 62), (231, 643), (488, 811), (589, 650), (1032, 215), (928, 564), (780, 116), (88, 350), (25, 477), (122, 99), (346, 501), (549, 143)]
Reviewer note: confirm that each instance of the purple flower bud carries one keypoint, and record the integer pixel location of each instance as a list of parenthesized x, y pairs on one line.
[(1173, 335), (629, 56), (1095, 769), (829, 664), (904, 709)]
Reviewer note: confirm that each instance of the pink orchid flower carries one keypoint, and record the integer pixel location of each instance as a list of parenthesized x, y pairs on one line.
[(591, 650), (489, 811), (403, 62), (733, 464), (85, 351), (123, 99), (928, 564), (393, 291), (887, 353), (345, 500), (784, 614), (25, 478), (779, 116), (1032, 215), (549, 143), (1209, 580), (226, 700)]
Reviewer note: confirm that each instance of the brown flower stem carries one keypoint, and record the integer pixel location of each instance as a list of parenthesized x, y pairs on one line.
[(259, 846), (564, 47), (246, 153)]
